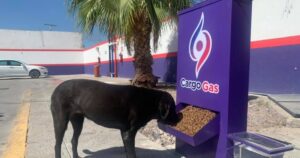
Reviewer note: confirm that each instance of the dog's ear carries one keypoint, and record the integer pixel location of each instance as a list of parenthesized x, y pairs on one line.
[(164, 109)]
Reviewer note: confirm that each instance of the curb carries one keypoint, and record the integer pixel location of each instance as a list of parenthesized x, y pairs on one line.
[(292, 121), (16, 146), (296, 116)]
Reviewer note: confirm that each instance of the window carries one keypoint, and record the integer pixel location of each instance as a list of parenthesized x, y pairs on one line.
[(3, 63), (14, 63)]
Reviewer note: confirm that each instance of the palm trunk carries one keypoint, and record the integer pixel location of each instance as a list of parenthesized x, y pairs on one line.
[(142, 57)]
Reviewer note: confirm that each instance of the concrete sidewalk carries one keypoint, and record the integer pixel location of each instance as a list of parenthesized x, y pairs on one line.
[(95, 141), (289, 102)]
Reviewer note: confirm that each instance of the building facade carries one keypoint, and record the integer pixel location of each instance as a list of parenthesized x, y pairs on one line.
[(274, 64)]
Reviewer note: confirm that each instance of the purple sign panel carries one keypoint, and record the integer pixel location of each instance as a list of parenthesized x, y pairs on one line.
[(213, 72), (203, 58)]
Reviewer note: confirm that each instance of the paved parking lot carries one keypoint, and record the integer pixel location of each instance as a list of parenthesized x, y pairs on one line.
[(95, 141)]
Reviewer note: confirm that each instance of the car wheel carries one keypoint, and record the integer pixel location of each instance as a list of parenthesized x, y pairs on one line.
[(34, 74)]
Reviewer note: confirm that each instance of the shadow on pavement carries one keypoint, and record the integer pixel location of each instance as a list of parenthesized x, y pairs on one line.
[(22, 78), (14, 78), (1, 115), (251, 97), (119, 152)]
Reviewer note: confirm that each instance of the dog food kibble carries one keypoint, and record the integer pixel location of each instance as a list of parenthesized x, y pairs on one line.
[(193, 120)]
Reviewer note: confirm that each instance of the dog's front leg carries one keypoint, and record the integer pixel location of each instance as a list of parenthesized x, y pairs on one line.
[(128, 137)]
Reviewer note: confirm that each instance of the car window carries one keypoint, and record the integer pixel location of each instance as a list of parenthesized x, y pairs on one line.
[(3, 63), (14, 63)]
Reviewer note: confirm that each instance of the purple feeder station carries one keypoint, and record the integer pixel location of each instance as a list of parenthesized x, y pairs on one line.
[(213, 73)]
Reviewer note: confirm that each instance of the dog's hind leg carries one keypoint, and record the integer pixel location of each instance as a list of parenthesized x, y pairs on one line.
[(77, 123), (60, 125), (128, 137)]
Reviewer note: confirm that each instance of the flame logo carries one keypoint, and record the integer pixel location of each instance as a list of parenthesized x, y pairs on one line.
[(200, 46)]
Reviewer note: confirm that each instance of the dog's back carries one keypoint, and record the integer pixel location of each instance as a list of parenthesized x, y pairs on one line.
[(106, 104)]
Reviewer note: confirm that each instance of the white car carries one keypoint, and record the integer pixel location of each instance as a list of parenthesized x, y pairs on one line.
[(14, 68)]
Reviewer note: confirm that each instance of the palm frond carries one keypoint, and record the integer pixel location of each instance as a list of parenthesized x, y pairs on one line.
[(156, 24), (119, 17), (96, 13)]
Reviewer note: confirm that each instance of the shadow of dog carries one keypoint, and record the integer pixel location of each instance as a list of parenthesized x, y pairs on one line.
[(118, 152)]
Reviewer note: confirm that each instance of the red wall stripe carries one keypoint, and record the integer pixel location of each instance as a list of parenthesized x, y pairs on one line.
[(43, 50), (155, 56), (164, 55), (96, 45), (285, 41), (75, 64), (55, 50)]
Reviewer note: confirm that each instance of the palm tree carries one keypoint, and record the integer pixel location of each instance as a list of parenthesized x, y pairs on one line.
[(135, 20)]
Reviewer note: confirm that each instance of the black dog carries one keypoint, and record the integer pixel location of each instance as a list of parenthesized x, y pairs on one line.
[(126, 108)]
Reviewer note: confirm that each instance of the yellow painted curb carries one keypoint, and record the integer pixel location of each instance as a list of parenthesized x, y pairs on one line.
[(16, 145)]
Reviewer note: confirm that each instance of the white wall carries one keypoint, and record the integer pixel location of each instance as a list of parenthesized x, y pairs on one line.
[(271, 19), (91, 55), (275, 18), (167, 43), (168, 40), (41, 47), (44, 57), (40, 39)]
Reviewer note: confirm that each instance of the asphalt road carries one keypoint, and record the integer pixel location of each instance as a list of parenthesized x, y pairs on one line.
[(11, 96)]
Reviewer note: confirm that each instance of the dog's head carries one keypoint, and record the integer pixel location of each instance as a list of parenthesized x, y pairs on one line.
[(167, 110)]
